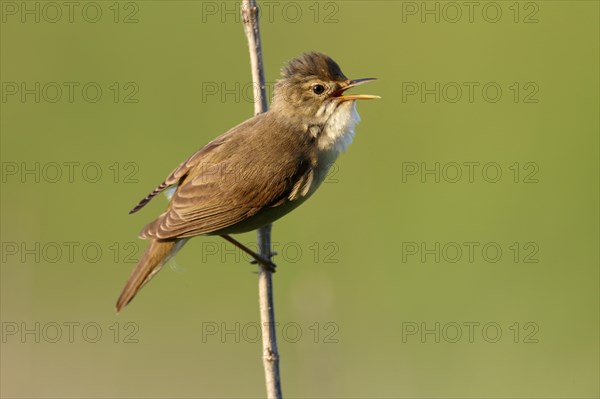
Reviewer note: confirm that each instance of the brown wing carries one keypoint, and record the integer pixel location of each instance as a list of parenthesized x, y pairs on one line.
[(179, 172), (231, 181)]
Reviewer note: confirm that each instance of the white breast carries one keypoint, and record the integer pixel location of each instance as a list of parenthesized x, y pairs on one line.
[(338, 132)]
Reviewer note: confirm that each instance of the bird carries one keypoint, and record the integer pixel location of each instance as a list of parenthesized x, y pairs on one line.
[(259, 170)]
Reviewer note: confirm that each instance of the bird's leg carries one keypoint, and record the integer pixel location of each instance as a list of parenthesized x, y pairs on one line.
[(258, 258)]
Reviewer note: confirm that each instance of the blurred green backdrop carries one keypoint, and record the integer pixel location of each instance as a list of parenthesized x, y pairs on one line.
[(416, 271)]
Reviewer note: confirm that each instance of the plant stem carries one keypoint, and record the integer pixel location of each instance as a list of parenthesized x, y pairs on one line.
[(265, 280)]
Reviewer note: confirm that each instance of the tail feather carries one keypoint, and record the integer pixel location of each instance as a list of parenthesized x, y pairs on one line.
[(157, 254)]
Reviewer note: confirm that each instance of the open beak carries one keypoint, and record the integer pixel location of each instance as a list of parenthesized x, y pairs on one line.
[(354, 83)]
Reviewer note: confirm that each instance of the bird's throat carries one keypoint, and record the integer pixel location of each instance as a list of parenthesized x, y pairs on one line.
[(338, 131)]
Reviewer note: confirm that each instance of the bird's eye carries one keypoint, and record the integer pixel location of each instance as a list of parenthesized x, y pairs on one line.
[(318, 89)]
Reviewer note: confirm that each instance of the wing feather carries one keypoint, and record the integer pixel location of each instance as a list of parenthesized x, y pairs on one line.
[(179, 172), (221, 186)]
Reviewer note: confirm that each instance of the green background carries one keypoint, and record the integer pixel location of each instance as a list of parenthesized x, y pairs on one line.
[(348, 290)]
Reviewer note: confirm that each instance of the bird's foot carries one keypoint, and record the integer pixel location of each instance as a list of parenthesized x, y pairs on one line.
[(268, 263)]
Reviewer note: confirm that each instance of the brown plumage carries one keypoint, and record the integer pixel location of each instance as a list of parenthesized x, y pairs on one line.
[(234, 178), (156, 255), (256, 172)]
